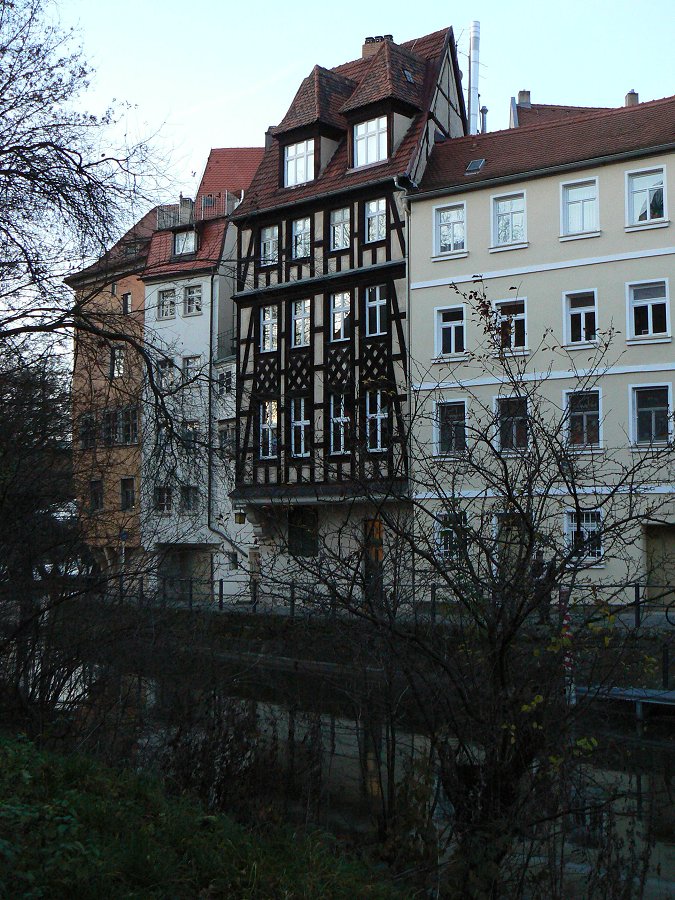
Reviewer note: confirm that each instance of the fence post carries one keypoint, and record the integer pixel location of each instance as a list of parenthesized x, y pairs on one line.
[(637, 605), (220, 595), (665, 667), (433, 603), (292, 610)]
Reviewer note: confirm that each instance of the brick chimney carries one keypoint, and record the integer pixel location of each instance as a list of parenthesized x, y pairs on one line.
[(632, 98), (372, 44), (524, 99)]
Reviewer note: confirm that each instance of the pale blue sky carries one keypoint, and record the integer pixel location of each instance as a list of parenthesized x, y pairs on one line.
[(215, 74)]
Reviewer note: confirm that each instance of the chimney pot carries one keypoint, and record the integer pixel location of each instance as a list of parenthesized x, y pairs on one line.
[(483, 119), (632, 98), (370, 46), (524, 99)]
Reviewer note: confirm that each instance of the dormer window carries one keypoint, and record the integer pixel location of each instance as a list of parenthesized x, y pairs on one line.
[(370, 142), (183, 242), (299, 163)]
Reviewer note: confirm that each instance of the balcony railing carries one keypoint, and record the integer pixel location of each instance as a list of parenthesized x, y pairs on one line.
[(188, 211)]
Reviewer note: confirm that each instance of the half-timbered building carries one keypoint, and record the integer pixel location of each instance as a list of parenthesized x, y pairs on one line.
[(321, 290)]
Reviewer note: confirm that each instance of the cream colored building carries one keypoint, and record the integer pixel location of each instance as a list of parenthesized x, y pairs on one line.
[(541, 264)]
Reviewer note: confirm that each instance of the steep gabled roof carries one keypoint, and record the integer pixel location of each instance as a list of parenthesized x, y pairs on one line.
[(385, 78), (126, 255), (538, 148), (542, 113), (230, 169), (319, 99), (162, 263), (424, 54)]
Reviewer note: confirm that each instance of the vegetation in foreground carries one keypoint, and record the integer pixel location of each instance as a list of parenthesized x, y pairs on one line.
[(70, 827)]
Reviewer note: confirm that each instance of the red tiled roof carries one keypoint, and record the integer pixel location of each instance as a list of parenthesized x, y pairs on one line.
[(541, 113), (521, 150), (230, 169), (210, 236), (385, 78), (128, 253), (319, 99), (265, 192)]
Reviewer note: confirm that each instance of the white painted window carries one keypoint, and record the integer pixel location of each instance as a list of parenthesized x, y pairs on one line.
[(451, 427), (512, 423), (339, 229), (117, 362), (651, 414), (184, 242), (370, 141), (580, 317), (299, 163), (192, 300), (580, 207), (646, 197), (126, 304), (376, 220), (191, 366), (268, 329), (450, 331), (129, 425), (509, 226), (584, 533), (451, 536), (376, 310), (269, 245), (340, 316), (166, 304), (583, 419), (299, 427), (300, 238), (377, 422), (450, 231), (512, 321), (166, 373), (648, 310), (268, 429), (339, 424), (300, 322), (163, 498)]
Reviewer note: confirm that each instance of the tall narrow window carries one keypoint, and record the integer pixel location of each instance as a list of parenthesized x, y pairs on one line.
[(117, 362), (580, 207), (300, 238), (649, 310), (376, 310), (451, 536), (166, 373), (166, 305), (110, 427), (129, 425), (189, 497), (340, 424), (376, 220), (339, 229), (451, 426), (163, 498), (303, 531), (340, 316), (268, 329), (127, 494), (583, 409), (300, 321), (450, 228), (192, 300), (268, 429), (646, 197), (581, 317), (299, 163), (512, 423), (450, 331), (377, 422), (652, 418), (512, 325), (87, 431), (509, 220), (95, 496), (190, 369), (370, 141), (299, 427), (126, 304), (269, 245)]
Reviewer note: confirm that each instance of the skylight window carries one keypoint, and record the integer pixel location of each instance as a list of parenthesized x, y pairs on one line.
[(409, 76), (474, 166)]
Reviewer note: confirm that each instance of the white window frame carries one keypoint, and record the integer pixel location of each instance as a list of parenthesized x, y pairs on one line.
[(453, 327), (184, 242), (497, 407), (269, 429), (126, 303), (269, 245), (631, 303), (593, 558), (118, 363), (455, 250), (568, 313), (301, 238), (299, 163), (269, 325), (581, 448), (438, 404), (343, 314), (565, 203), (338, 416), (190, 367), (495, 199), (375, 220), (632, 224), (340, 228), (377, 418), (166, 303), (163, 496), (300, 425), (370, 142), (375, 302), (300, 323), (192, 300), (518, 317), (166, 372), (449, 523), (633, 392)]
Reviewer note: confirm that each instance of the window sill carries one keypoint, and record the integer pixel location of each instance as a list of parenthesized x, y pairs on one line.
[(647, 226), (299, 347), (379, 242), (187, 315), (513, 454), (581, 345), (502, 248), (166, 318), (373, 165), (524, 351), (268, 265), (650, 448), (457, 254), (339, 249), (449, 358), (648, 339), (298, 260), (585, 450), (579, 237), (290, 187)]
